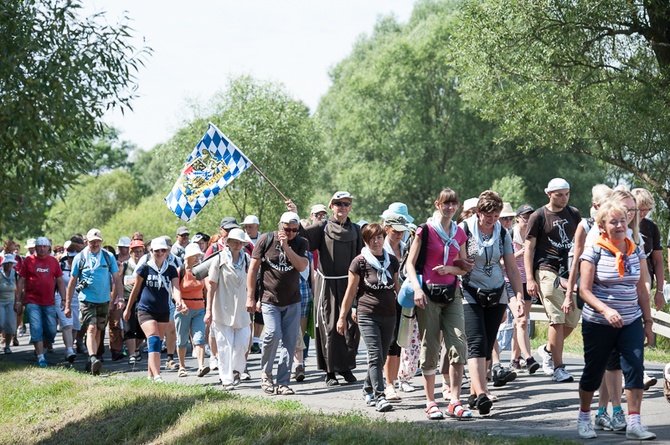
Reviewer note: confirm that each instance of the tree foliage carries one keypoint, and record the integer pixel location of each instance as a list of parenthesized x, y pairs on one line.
[(59, 74), (574, 77)]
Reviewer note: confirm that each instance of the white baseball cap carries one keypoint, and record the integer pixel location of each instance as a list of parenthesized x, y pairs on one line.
[(94, 234), (557, 184), (158, 243), (251, 219), (289, 218)]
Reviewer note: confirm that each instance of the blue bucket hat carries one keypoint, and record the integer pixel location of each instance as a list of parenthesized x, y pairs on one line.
[(398, 208)]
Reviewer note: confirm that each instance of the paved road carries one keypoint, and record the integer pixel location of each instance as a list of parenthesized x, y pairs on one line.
[(531, 405)]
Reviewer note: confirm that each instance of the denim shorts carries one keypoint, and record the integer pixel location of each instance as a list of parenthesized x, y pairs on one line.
[(42, 321), (194, 321)]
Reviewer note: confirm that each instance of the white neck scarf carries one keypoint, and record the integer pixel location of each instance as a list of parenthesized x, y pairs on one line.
[(389, 249), (383, 274), (240, 260), (162, 280), (447, 239), (473, 225), (89, 257)]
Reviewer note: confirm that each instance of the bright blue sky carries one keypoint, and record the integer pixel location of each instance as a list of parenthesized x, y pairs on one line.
[(200, 43)]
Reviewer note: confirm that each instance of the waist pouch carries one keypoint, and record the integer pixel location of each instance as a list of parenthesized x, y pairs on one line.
[(485, 297), (440, 293)]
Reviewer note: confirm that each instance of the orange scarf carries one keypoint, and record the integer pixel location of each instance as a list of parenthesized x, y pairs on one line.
[(605, 243)]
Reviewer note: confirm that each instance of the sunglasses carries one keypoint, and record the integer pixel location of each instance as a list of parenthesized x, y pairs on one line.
[(160, 250), (289, 230), (507, 218), (342, 203)]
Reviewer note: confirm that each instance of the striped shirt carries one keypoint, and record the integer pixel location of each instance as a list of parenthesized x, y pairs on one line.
[(618, 293)]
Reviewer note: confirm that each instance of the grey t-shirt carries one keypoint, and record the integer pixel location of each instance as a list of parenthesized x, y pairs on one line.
[(488, 272)]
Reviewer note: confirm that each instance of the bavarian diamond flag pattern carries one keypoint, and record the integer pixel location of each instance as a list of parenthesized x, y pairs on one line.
[(212, 165)]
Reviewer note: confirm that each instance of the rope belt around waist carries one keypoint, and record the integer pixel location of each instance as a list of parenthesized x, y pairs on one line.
[(320, 316)]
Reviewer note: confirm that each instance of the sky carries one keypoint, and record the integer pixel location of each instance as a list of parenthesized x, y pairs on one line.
[(199, 44)]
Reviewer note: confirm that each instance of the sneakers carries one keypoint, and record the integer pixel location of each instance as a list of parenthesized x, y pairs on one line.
[(562, 376), (131, 360), (649, 381), (369, 399), (586, 430), (547, 360), (618, 421), (532, 365), (483, 404), (70, 356), (22, 330), (213, 363), (515, 365), (502, 376), (255, 348), (406, 387), (603, 422), (42, 362), (391, 394), (96, 365), (158, 379), (639, 432), (8, 350), (299, 373), (383, 405)]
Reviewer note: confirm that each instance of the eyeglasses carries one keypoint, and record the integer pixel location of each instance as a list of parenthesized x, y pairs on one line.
[(289, 230), (160, 250), (342, 203), (631, 211), (524, 217)]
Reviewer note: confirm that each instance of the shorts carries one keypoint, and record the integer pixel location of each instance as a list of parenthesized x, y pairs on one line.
[(552, 300), (64, 321), (94, 314), (144, 316), (42, 321), (132, 326)]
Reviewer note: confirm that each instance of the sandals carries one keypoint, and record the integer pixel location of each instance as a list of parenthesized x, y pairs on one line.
[(456, 410), (267, 384), (182, 372), (203, 371), (433, 411), (284, 390)]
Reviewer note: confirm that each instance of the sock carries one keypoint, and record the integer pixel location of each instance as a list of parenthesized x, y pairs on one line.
[(616, 409), (602, 410), (584, 416), (170, 356), (632, 420), (70, 351), (256, 340), (40, 357)]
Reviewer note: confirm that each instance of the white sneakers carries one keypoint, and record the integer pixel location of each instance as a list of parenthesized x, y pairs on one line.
[(586, 430), (547, 360), (561, 375), (639, 432)]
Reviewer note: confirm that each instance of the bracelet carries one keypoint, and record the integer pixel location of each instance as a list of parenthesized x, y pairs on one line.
[(659, 291), (648, 321)]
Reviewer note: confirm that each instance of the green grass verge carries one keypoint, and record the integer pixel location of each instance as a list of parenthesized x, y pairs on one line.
[(58, 406)]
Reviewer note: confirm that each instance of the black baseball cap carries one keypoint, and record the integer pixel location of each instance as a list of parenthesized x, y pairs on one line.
[(525, 208)]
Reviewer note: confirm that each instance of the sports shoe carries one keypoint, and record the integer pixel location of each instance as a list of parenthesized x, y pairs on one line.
[(42, 362), (8, 350), (96, 365), (255, 348), (382, 405), (618, 421), (158, 379), (70, 357), (547, 360), (562, 376), (369, 399), (22, 330), (502, 376), (483, 404), (406, 387), (532, 365), (649, 381), (639, 432), (299, 373), (515, 365), (213, 363), (131, 360), (603, 422), (586, 430)]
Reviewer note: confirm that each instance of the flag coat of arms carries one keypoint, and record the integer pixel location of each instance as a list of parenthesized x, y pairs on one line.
[(212, 165)]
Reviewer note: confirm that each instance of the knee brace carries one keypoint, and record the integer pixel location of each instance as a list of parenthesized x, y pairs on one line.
[(154, 343)]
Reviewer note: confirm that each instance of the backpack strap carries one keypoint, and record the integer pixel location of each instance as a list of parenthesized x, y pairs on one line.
[(423, 250)]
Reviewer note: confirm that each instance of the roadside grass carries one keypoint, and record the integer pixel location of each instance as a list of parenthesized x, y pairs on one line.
[(575, 344), (59, 406)]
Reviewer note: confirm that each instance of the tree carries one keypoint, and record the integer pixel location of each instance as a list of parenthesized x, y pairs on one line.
[(573, 77), (109, 152), (59, 74), (395, 127)]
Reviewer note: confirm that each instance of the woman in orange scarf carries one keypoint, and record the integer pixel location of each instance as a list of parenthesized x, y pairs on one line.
[(616, 316)]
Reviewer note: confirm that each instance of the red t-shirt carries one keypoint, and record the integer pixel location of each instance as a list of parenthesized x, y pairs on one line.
[(40, 275)]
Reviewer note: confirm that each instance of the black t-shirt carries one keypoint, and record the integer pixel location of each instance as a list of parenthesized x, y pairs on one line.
[(280, 280), (555, 239), (651, 236), (376, 298)]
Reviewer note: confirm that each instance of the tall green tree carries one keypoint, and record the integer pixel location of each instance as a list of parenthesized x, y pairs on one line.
[(396, 129), (59, 74), (573, 77)]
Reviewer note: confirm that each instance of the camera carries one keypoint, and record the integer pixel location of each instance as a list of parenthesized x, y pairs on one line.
[(83, 284)]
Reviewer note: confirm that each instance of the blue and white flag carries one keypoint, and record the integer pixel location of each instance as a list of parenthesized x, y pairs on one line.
[(212, 165)]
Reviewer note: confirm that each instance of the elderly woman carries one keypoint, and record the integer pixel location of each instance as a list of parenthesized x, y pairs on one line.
[(438, 255), (373, 277), (226, 310), (8, 280), (484, 291), (193, 321), (156, 282), (616, 304)]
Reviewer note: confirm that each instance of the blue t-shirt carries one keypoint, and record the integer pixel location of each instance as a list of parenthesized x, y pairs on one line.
[(97, 272), (155, 294)]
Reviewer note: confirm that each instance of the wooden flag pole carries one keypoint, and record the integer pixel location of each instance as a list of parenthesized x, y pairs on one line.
[(270, 182)]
